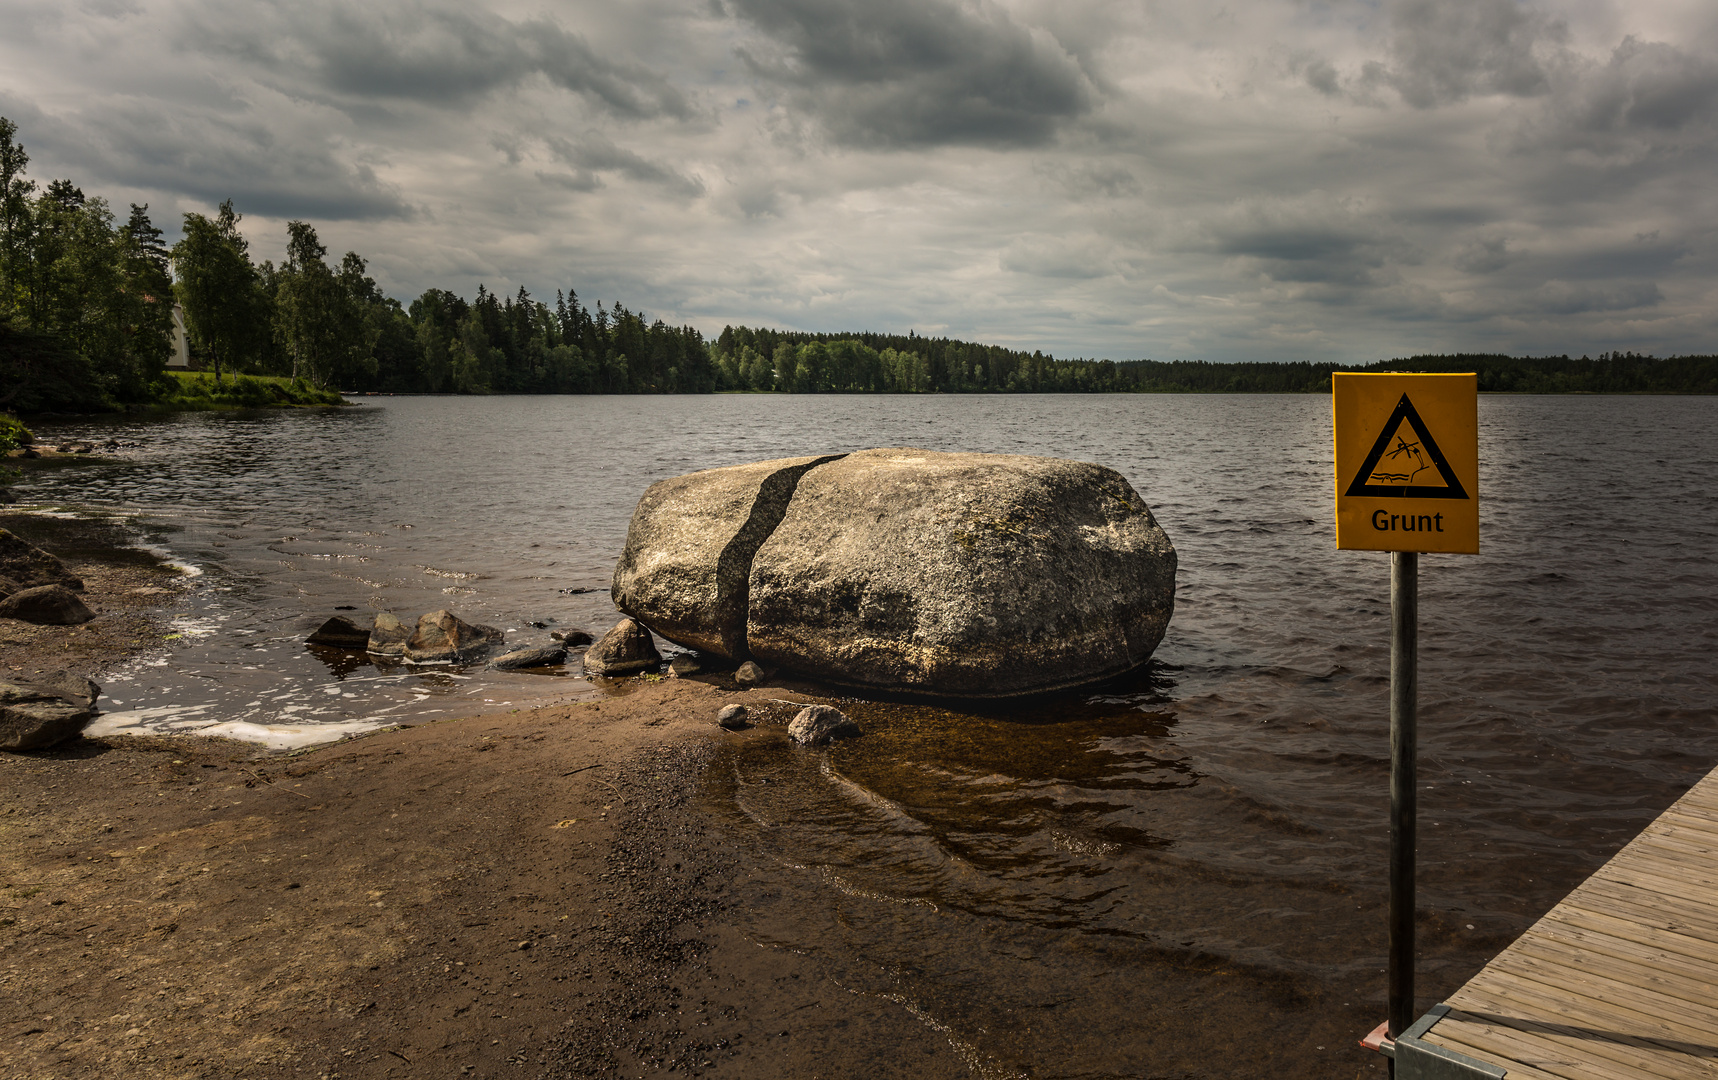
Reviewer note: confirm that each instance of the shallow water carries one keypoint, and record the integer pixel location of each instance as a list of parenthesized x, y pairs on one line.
[(1181, 876)]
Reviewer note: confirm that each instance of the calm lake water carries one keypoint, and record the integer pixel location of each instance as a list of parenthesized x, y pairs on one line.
[(1182, 876)]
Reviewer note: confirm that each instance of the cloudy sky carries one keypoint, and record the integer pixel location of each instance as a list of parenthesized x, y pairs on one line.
[(1194, 179)]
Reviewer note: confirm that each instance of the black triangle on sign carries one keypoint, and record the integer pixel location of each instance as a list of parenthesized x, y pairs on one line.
[(1362, 483)]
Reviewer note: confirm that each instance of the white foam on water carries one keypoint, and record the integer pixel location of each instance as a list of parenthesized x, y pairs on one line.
[(150, 721), (168, 558), (194, 628), (176, 720), (290, 736)]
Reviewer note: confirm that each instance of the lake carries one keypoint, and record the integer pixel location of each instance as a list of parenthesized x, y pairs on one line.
[(1179, 875)]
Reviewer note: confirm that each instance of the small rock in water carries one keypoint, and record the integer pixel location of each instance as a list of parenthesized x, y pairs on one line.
[(340, 632), (684, 665), (817, 724), (572, 639), (732, 717), (46, 710), (530, 658), (46, 605), (625, 649), (443, 637), (388, 636)]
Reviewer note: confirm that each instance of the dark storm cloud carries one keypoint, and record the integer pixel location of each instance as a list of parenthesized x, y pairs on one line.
[(436, 55), (917, 72), (593, 155), (1485, 256), (1572, 298), (1313, 240), (1445, 51), (209, 157), (1648, 87)]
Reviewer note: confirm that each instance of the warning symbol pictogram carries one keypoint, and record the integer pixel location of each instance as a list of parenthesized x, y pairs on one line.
[(1405, 462)]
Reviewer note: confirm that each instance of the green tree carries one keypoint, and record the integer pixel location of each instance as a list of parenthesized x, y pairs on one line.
[(14, 210), (220, 291), (144, 307), (318, 315)]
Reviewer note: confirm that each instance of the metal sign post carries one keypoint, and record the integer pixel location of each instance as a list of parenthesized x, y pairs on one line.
[(1407, 481), (1404, 687)]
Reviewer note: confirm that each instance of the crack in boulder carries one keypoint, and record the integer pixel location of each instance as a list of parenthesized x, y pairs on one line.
[(686, 569), (734, 564)]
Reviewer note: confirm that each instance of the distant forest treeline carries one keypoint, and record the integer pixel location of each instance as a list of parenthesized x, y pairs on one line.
[(763, 359), (1611, 373), (87, 323)]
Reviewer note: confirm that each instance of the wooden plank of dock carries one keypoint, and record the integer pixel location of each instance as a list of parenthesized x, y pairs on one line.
[(1620, 980)]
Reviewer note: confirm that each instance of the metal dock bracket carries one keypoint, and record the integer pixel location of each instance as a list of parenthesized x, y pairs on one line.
[(1419, 1060)]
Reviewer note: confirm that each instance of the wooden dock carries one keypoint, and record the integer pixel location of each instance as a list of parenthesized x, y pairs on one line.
[(1617, 982)]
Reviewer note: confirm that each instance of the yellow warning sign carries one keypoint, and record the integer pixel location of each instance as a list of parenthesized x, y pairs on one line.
[(1407, 461)]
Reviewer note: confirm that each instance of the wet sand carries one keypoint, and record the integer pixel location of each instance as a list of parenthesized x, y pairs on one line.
[(524, 893)]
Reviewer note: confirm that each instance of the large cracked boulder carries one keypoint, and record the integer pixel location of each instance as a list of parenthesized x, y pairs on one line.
[(951, 575), (45, 710)]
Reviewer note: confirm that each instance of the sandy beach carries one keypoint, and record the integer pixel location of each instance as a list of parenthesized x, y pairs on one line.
[(513, 894), (520, 893)]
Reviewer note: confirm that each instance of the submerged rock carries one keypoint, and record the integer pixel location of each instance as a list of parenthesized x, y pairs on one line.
[(340, 632), (388, 636), (530, 658), (443, 637), (624, 649), (29, 565), (46, 605), (572, 639), (45, 710), (951, 575), (817, 724)]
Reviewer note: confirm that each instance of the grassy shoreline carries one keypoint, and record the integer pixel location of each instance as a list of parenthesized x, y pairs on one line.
[(197, 391)]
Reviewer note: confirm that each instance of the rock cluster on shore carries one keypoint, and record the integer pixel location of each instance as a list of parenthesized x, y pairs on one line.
[(952, 575), (35, 587), (439, 637)]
